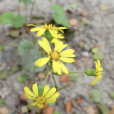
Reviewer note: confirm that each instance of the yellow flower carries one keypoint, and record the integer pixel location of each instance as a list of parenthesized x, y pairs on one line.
[(48, 96), (56, 56), (56, 38), (98, 72), (52, 29)]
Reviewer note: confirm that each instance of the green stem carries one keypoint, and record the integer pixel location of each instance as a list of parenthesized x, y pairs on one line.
[(46, 77), (33, 77), (64, 87), (32, 10), (54, 80), (18, 7), (78, 72)]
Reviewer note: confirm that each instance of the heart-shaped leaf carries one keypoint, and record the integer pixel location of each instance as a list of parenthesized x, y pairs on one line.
[(98, 56), (22, 78)]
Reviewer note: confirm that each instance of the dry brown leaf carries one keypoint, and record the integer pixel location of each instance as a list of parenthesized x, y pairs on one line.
[(73, 22), (68, 106), (64, 78), (48, 110), (27, 29), (41, 75), (102, 7), (3, 110), (79, 100), (23, 97), (89, 110)]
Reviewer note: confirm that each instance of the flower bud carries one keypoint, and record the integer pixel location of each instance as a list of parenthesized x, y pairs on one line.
[(91, 72)]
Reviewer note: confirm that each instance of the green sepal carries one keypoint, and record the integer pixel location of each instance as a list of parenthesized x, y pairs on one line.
[(91, 72), (48, 35)]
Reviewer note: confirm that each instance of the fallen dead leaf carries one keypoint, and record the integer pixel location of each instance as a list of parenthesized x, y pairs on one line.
[(64, 78), (102, 7), (27, 29), (23, 97), (68, 106), (89, 110), (79, 100), (73, 22), (41, 75), (48, 110), (3, 110)]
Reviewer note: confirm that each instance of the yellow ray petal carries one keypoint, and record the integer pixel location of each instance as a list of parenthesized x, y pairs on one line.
[(34, 103), (27, 90), (67, 52), (28, 96), (58, 68), (42, 61), (67, 60), (54, 66), (94, 82), (53, 32), (35, 29), (31, 25), (63, 67), (51, 101), (40, 32), (54, 96), (45, 41), (35, 89), (40, 106), (58, 46), (63, 46), (69, 55), (51, 92), (46, 89)]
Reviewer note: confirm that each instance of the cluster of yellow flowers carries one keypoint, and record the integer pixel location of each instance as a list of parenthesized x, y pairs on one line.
[(54, 56)]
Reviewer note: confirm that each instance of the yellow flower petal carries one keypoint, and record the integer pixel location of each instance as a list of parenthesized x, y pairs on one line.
[(44, 46), (69, 55), (63, 67), (35, 29), (42, 61), (51, 101), (54, 66), (58, 46), (28, 96), (40, 106), (67, 52), (54, 96), (27, 90), (35, 89), (63, 46), (40, 32), (46, 89), (51, 92), (53, 32), (67, 60), (58, 68), (31, 25), (94, 82), (45, 41), (34, 103)]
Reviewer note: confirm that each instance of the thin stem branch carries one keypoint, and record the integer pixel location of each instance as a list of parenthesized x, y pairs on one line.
[(46, 77), (64, 87), (18, 7), (78, 72), (33, 77), (32, 10), (54, 80)]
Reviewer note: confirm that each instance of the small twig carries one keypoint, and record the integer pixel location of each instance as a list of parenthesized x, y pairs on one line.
[(46, 77), (32, 10), (64, 87)]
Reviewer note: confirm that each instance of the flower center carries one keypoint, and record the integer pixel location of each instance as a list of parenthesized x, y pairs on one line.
[(41, 99), (54, 55), (48, 26)]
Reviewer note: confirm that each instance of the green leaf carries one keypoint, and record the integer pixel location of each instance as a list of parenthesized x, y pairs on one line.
[(1, 47), (96, 96), (59, 15), (14, 69), (3, 74), (112, 95), (56, 112), (95, 50), (74, 6), (103, 109), (18, 21), (1, 101), (98, 56), (73, 76), (29, 54), (27, 2), (22, 78), (7, 18)]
